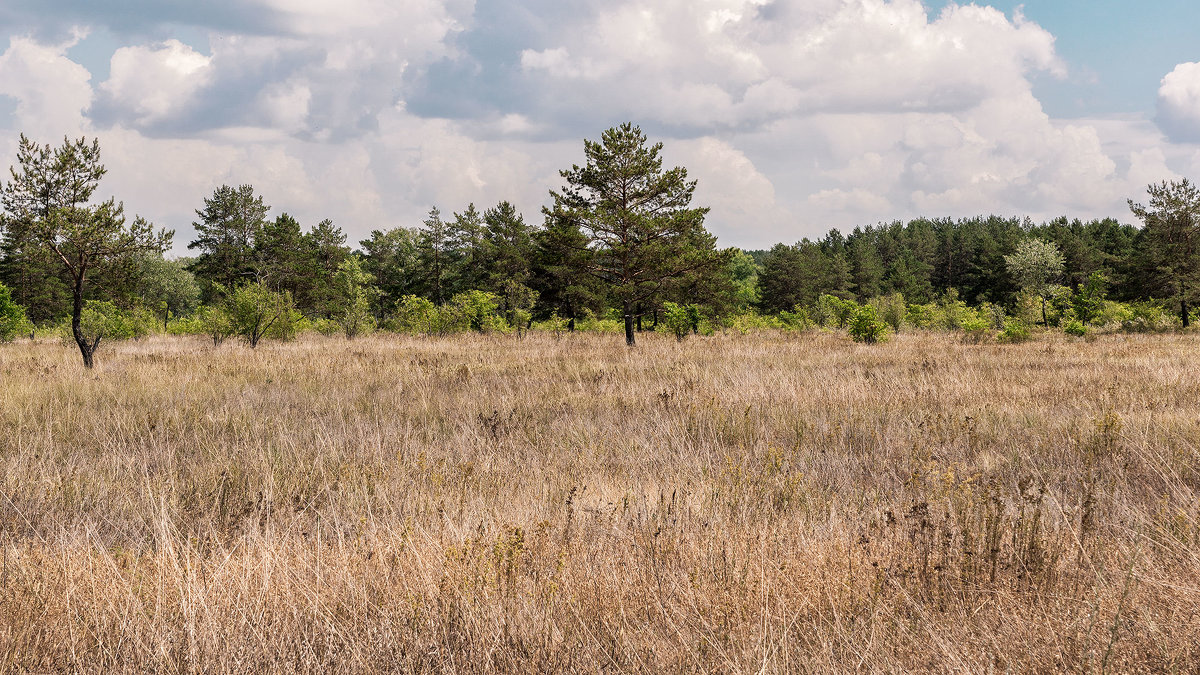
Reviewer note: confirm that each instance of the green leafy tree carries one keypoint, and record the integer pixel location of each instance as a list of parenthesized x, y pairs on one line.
[(48, 202), (1172, 242), (256, 311), (1036, 265), (12, 316), (353, 305), (166, 286), (636, 216)]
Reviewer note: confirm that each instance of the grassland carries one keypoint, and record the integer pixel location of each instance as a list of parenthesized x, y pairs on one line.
[(761, 503)]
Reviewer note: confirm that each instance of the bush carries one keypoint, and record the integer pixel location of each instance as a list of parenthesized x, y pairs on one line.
[(832, 311), (993, 314), (553, 323), (1075, 327), (954, 311), (12, 316), (924, 316), (590, 322), (473, 311), (677, 320), (866, 326), (1148, 317), (976, 329), (1015, 331), (891, 310), (797, 319), (326, 327), (100, 321), (1089, 301), (417, 315), (256, 312)]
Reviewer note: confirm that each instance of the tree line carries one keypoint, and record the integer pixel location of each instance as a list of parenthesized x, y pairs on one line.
[(620, 239)]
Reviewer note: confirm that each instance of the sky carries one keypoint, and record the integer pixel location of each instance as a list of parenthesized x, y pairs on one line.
[(794, 116)]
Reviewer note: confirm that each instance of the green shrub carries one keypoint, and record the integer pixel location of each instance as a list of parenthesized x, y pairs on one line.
[(833, 312), (417, 315), (1015, 331), (866, 326), (677, 320), (954, 311), (473, 311), (1075, 327), (976, 329), (1089, 301), (12, 316), (796, 320), (591, 323), (101, 321), (924, 316), (992, 313), (256, 312), (193, 324), (326, 327), (1148, 317), (891, 309), (553, 323)]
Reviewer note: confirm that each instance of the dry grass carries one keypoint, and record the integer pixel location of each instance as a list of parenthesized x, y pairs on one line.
[(734, 504)]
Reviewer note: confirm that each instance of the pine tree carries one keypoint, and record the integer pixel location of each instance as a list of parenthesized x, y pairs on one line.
[(48, 202), (636, 216), (433, 257), (229, 226)]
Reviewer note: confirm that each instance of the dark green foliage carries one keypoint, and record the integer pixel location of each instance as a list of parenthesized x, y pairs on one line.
[(637, 218), (226, 233), (561, 270), (390, 257), (1170, 245), (48, 204), (435, 258)]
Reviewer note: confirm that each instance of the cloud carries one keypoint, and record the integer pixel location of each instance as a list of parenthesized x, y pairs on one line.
[(52, 92), (154, 82), (1179, 103), (794, 117)]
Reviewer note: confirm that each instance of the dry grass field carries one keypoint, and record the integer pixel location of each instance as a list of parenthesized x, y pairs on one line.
[(769, 503)]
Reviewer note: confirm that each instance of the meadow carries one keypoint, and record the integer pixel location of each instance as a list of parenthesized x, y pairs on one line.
[(771, 502)]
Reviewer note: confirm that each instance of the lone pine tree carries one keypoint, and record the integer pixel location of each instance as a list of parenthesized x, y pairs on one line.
[(636, 217), (48, 202)]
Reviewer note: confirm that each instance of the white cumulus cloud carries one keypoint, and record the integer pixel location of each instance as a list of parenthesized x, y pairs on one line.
[(157, 80), (1179, 103)]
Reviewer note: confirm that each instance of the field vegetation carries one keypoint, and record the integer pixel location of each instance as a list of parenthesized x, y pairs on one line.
[(758, 500)]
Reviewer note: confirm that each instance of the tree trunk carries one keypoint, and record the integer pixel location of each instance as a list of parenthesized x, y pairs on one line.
[(629, 338), (85, 349), (1183, 308)]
